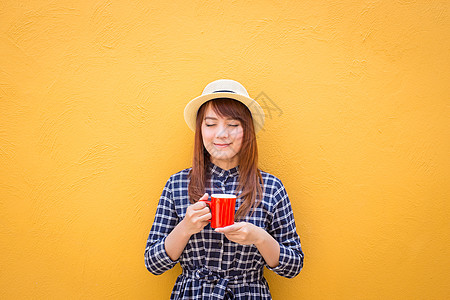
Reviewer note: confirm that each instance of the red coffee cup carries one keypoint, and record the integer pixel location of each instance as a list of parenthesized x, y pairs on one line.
[(222, 208)]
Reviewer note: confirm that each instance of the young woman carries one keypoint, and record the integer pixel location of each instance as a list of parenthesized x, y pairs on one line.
[(224, 263)]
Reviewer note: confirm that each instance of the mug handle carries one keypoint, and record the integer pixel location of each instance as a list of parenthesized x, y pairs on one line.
[(208, 202)]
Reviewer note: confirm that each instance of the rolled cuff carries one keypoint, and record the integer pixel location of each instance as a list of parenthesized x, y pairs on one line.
[(157, 260), (289, 264)]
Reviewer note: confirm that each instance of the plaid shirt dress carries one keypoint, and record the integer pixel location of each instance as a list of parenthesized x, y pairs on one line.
[(214, 267)]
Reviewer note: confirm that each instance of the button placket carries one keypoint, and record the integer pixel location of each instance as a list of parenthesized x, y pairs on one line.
[(223, 186), (221, 250)]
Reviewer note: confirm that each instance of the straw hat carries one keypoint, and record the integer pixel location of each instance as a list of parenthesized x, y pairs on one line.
[(224, 88)]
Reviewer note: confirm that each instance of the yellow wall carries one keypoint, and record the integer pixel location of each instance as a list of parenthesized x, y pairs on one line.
[(91, 126)]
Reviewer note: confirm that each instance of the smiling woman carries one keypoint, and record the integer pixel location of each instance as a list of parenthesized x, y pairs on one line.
[(222, 136), (228, 262)]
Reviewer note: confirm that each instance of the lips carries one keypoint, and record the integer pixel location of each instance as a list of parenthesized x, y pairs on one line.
[(221, 145)]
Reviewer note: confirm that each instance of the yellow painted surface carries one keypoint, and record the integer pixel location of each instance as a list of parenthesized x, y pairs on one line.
[(91, 126)]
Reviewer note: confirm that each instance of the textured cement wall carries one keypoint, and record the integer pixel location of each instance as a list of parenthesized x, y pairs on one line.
[(91, 126)]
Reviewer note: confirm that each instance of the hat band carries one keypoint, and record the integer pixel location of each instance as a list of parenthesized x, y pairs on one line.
[(224, 91)]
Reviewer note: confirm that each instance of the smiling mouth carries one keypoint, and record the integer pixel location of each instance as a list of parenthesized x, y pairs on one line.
[(222, 145)]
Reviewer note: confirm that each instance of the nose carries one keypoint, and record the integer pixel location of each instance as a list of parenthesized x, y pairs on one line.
[(222, 132)]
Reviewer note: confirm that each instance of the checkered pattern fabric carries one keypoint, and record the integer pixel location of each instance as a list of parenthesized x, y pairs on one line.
[(214, 267)]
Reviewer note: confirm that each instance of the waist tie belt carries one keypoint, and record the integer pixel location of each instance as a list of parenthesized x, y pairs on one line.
[(222, 279)]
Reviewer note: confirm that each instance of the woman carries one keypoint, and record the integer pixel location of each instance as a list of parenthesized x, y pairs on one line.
[(225, 263)]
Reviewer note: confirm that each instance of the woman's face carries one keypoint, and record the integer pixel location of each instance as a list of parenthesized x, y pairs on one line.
[(222, 138)]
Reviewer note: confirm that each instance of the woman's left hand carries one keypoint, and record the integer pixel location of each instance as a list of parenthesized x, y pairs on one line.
[(243, 233), (246, 234)]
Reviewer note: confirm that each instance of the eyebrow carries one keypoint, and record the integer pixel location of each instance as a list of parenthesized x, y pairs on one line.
[(213, 118)]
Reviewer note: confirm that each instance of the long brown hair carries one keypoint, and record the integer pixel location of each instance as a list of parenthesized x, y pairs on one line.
[(250, 179)]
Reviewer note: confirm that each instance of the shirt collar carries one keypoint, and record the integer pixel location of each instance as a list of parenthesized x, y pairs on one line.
[(219, 172)]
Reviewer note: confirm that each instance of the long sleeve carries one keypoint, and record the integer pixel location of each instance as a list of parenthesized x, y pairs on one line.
[(283, 229), (156, 259)]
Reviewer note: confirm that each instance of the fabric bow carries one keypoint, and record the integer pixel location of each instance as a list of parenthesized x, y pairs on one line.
[(221, 290)]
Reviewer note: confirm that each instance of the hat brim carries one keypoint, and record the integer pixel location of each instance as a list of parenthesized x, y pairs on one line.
[(191, 109)]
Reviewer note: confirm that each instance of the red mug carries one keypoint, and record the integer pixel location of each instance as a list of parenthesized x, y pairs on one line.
[(222, 208)]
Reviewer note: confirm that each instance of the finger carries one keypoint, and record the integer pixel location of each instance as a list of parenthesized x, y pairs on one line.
[(205, 210), (206, 217), (201, 201), (199, 205), (197, 214), (202, 212), (203, 198), (229, 229)]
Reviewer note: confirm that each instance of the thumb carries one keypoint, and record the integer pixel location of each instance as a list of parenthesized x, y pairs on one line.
[(205, 197), (229, 228)]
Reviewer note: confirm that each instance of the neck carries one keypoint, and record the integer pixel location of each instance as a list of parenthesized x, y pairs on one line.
[(225, 164)]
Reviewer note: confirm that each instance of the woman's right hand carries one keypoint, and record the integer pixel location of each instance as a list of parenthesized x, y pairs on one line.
[(197, 216)]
